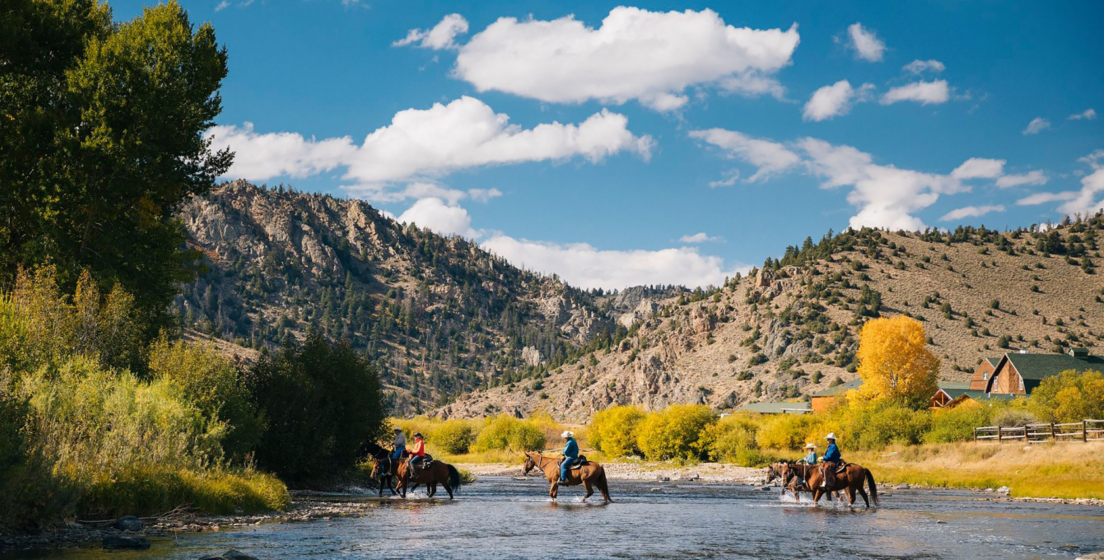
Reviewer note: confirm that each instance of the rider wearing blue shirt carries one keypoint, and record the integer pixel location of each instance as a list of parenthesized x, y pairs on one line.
[(570, 453)]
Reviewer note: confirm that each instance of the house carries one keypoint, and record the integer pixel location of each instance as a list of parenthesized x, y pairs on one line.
[(948, 392), (800, 407), (824, 399), (1021, 373), (984, 371)]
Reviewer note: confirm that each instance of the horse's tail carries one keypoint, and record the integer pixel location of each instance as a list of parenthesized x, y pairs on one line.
[(454, 480), (601, 484), (873, 486)]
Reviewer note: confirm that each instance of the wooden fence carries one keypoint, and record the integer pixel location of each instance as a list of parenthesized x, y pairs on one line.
[(1083, 431)]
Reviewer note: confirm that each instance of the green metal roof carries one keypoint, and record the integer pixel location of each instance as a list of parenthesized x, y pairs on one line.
[(1036, 367), (993, 361), (979, 395), (800, 407), (954, 385), (839, 389)]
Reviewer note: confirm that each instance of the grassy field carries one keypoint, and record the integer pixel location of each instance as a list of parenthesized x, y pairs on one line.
[(1072, 470)]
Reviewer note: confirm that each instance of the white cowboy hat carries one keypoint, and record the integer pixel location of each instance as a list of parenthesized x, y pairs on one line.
[(830, 436), (567, 434), (398, 429), (810, 446)]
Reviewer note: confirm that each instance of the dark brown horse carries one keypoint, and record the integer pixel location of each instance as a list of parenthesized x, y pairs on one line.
[(794, 477), (383, 466), (438, 472), (590, 475), (850, 480)]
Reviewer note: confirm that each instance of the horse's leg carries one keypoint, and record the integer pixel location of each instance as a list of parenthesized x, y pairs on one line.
[(589, 490), (850, 496), (863, 494), (448, 487), (554, 490)]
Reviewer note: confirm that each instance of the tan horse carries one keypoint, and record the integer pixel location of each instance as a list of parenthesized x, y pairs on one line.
[(794, 477), (590, 474), (438, 472), (850, 481)]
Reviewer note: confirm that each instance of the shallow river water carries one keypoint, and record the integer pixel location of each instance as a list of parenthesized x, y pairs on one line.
[(499, 517)]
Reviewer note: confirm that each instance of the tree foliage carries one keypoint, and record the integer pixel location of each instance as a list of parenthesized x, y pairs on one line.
[(101, 137), (613, 430), (1070, 396), (894, 361), (674, 432)]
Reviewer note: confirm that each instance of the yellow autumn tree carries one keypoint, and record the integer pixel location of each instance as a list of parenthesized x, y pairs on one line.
[(894, 361)]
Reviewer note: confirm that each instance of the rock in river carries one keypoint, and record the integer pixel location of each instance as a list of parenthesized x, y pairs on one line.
[(125, 543), (128, 523), (230, 555)]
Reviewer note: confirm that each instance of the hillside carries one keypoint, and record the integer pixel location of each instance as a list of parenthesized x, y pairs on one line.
[(791, 328), (439, 316)]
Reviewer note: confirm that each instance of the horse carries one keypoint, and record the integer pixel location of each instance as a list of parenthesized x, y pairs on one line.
[(794, 477), (850, 481), (438, 472), (383, 466), (589, 474)]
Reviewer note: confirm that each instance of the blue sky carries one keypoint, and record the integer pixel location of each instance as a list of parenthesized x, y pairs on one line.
[(664, 142)]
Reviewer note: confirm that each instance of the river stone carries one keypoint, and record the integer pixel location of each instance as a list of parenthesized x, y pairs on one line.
[(121, 543), (903, 487), (128, 523), (230, 555), (1097, 556), (1003, 490)]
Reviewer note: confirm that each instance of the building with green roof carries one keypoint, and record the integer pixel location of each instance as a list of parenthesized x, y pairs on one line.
[(1021, 373)]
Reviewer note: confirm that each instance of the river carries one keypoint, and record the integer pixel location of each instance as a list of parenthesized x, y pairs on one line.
[(500, 517)]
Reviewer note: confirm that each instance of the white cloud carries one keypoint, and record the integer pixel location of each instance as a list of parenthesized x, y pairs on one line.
[(886, 196), (1037, 125), (1083, 201), (484, 195), (970, 212), (866, 44), (1036, 177), (635, 54), (730, 178), (427, 143), (1043, 198), (979, 168), (1087, 114), (441, 36), (700, 237), (921, 66), (769, 157), (585, 266), (438, 216), (834, 100), (921, 92), (222, 5), (752, 84)]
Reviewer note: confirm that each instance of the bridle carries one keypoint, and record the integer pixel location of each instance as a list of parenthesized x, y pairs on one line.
[(538, 463)]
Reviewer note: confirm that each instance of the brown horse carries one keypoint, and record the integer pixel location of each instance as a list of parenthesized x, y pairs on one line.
[(438, 472), (850, 480), (794, 477), (383, 466), (589, 474)]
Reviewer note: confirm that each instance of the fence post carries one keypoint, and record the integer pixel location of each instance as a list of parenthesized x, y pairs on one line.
[(1084, 430), (975, 435), (1000, 435)]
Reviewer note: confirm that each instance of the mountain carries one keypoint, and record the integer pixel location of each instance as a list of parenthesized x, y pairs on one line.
[(439, 316), (791, 328), (459, 331)]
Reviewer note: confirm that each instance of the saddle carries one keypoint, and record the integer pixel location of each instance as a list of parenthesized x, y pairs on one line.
[(578, 464)]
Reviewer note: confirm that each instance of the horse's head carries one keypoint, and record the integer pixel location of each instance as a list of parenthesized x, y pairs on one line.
[(777, 470), (375, 467), (529, 464)]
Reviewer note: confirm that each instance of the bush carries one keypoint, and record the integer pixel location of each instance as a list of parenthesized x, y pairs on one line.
[(673, 433), (507, 432), (453, 437), (1069, 397), (322, 403), (787, 431), (732, 440), (613, 431), (879, 424), (958, 423), (1013, 417)]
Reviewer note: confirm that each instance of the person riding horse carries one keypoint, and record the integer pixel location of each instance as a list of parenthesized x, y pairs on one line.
[(399, 445), (417, 453), (832, 461), (570, 453)]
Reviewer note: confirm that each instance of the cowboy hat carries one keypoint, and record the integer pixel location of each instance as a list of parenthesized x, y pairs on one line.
[(810, 446), (567, 434), (830, 436), (397, 429), (417, 434)]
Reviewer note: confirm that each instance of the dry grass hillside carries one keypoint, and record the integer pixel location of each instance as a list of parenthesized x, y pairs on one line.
[(791, 329)]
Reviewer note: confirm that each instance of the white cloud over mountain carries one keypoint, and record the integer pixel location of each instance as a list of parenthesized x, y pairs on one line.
[(1031, 178), (441, 36), (970, 212), (979, 168), (921, 66), (924, 93), (426, 143), (1037, 125), (866, 44), (770, 157), (700, 237), (652, 57), (834, 100)]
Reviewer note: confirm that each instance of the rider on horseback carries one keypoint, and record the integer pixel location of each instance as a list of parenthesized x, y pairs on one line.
[(811, 458), (832, 460), (417, 452), (570, 453), (399, 444)]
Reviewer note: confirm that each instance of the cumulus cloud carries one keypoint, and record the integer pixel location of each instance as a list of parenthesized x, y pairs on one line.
[(770, 157), (585, 266), (484, 195), (866, 44), (1088, 200), (970, 212), (438, 216), (1031, 178), (834, 100), (979, 168), (441, 36), (427, 143), (921, 66), (730, 178), (1087, 114), (1037, 125), (925, 93), (636, 54), (1043, 198), (700, 237)]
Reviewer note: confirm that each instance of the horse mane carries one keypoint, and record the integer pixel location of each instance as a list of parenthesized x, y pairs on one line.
[(372, 448)]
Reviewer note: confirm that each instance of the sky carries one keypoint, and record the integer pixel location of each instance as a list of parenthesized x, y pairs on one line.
[(667, 143)]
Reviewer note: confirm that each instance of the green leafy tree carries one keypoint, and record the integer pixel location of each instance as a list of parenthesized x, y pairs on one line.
[(101, 139)]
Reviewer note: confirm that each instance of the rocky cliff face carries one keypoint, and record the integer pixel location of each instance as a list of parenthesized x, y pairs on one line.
[(439, 316)]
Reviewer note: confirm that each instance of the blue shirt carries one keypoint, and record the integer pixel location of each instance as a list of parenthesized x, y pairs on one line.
[(810, 459), (571, 449), (832, 454)]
